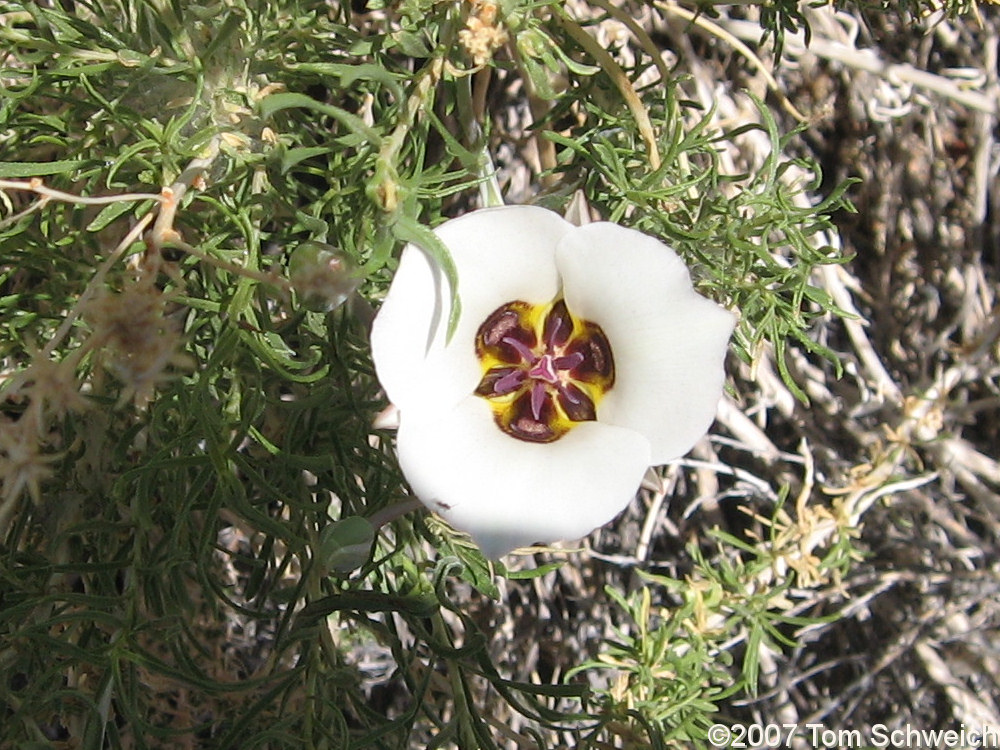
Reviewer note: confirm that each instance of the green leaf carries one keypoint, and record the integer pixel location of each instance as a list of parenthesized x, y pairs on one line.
[(287, 100), (536, 572), (294, 156), (468, 562), (234, 19), (411, 44), (349, 74), (19, 169), (108, 214)]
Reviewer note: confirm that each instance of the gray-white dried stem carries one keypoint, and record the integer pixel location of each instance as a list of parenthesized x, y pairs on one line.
[(952, 87)]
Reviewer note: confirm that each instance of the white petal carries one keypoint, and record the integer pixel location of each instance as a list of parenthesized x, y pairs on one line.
[(509, 493), (502, 254), (668, 342)]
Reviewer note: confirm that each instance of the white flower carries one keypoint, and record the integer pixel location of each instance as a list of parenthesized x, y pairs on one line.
[(582, 356)]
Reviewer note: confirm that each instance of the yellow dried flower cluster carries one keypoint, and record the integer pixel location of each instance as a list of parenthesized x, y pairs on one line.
[(482, 35)]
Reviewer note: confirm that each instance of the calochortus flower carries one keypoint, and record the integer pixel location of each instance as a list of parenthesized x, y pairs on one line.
[(582, 357)]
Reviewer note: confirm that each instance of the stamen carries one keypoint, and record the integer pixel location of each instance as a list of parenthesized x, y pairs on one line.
[(558, 325), (576, 404), (518, 422), (526, 354), (499, 381), (544, 370), (568, 361), (537, 400), (509, 382), (573, 395)]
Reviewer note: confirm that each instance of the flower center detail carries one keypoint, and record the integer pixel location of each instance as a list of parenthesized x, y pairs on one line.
[(544, 370)]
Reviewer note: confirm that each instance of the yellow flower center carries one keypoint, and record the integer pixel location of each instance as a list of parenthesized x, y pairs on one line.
[(544, 370)]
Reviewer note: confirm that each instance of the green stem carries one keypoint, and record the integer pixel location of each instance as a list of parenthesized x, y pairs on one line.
[(421, 98)]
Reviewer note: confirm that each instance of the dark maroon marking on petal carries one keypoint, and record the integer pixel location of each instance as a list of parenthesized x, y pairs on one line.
[(558, 326), (504, 324), (521, 422), (597, 362), (500, 381), (576, 404), (532, 430), (570, 392)]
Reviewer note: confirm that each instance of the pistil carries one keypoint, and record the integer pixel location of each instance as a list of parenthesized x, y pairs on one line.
[(544, 368)]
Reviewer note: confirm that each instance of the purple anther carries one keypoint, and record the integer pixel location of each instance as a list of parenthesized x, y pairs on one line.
[(538, 394), (540, 382), (576, 403), (509, 382), (572, 394), (558, 325), (568, 361), (526, 354)]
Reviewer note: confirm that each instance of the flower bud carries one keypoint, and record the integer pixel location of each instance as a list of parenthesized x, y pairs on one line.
[(346, 545), (322, 276)]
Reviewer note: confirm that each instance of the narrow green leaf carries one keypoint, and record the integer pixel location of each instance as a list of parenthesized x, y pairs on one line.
[(348, 74), (108, 214), (234, 19), (289, 100), (538, 572), (19, 169), (294, 156)]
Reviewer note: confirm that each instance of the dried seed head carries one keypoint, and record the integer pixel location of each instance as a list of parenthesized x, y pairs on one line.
[(137, 339), (22, 463), (52, 389)]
